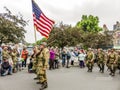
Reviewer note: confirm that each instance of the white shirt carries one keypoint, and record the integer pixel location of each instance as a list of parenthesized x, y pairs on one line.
[(81, 57)]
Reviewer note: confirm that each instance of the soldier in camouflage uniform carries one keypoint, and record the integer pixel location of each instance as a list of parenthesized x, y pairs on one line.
[(112, 62), (43, 57), (101, 60), (5, 53), (5, 57), (33, 58), (118, 62), (14, 59), (90, 60)]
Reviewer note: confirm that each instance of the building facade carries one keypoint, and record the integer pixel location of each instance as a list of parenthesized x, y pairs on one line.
[(116, 35)]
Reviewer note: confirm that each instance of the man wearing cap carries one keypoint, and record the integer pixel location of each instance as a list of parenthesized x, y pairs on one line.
[(112, 62), (43, 57), (5, 53), (90, 60), (14, 59), (101, 60)]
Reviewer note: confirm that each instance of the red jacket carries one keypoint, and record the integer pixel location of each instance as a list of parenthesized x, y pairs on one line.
[(24, 54)]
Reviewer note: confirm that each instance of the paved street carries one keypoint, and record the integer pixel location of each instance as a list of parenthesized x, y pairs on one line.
[(73, 78)]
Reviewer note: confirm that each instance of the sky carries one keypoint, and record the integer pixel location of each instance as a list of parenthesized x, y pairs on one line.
[(67, 11)]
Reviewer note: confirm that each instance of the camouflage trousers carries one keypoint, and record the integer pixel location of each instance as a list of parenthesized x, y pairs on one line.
[(14, 67), (34, 67), (14, 64), (112, 67), (101, 65), (90, 65), (41, 74)]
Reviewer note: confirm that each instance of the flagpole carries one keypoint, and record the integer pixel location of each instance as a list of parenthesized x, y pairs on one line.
[(35, 34)]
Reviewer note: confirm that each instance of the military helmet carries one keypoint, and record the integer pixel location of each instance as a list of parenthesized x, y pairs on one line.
[(44, 43)]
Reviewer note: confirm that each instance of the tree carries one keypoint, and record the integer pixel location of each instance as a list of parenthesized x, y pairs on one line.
[(40, 41), (64, 35), (97, 40), (89, 24), (11, 27)]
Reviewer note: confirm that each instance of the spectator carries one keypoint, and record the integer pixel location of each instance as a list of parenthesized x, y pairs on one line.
[(52, 58), (72, 57), (24, 56), (63, 57), (56, 62), (6, 68), (81, 58), (68, 58)]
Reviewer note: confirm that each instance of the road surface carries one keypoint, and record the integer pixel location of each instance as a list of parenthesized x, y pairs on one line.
[(72, 78)]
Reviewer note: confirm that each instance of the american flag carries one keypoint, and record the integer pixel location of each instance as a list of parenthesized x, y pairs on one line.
[(41, 22)]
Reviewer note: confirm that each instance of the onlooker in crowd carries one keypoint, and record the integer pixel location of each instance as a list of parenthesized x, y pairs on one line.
[(24, 56), (6, 68), (68, 58), (81, 58), (72, 57), (56, 62), (63, 57), (52, 58)]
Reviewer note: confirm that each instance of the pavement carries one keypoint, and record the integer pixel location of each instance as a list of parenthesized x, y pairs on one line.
[(72, 78)]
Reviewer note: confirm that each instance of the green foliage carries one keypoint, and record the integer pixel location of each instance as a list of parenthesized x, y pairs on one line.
[(40, 41), (11, 27), (64, 35), (89, 24), (96, 40)]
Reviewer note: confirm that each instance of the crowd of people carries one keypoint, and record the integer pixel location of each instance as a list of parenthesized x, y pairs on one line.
[(67, 58), (13, 59), (85, 58)]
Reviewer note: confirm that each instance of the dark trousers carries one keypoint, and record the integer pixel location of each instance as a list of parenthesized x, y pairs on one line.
[(51, 64), (67, 63), (112, 68), (101, 67), (3, 70), (90, 66), (63, 62), (56, 64), (24, 63), (81, 63), (72, 62), (0, 61)]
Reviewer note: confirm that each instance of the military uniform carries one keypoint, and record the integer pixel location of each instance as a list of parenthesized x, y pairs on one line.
[(5, 54), (14, 59), (101, 61), (90, 60), (112, 63), (42, 58), (34, 60), (118, 63)]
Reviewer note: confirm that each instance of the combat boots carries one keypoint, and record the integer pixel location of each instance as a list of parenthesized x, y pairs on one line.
[(44, 85), (36, 78), (39, 83)]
